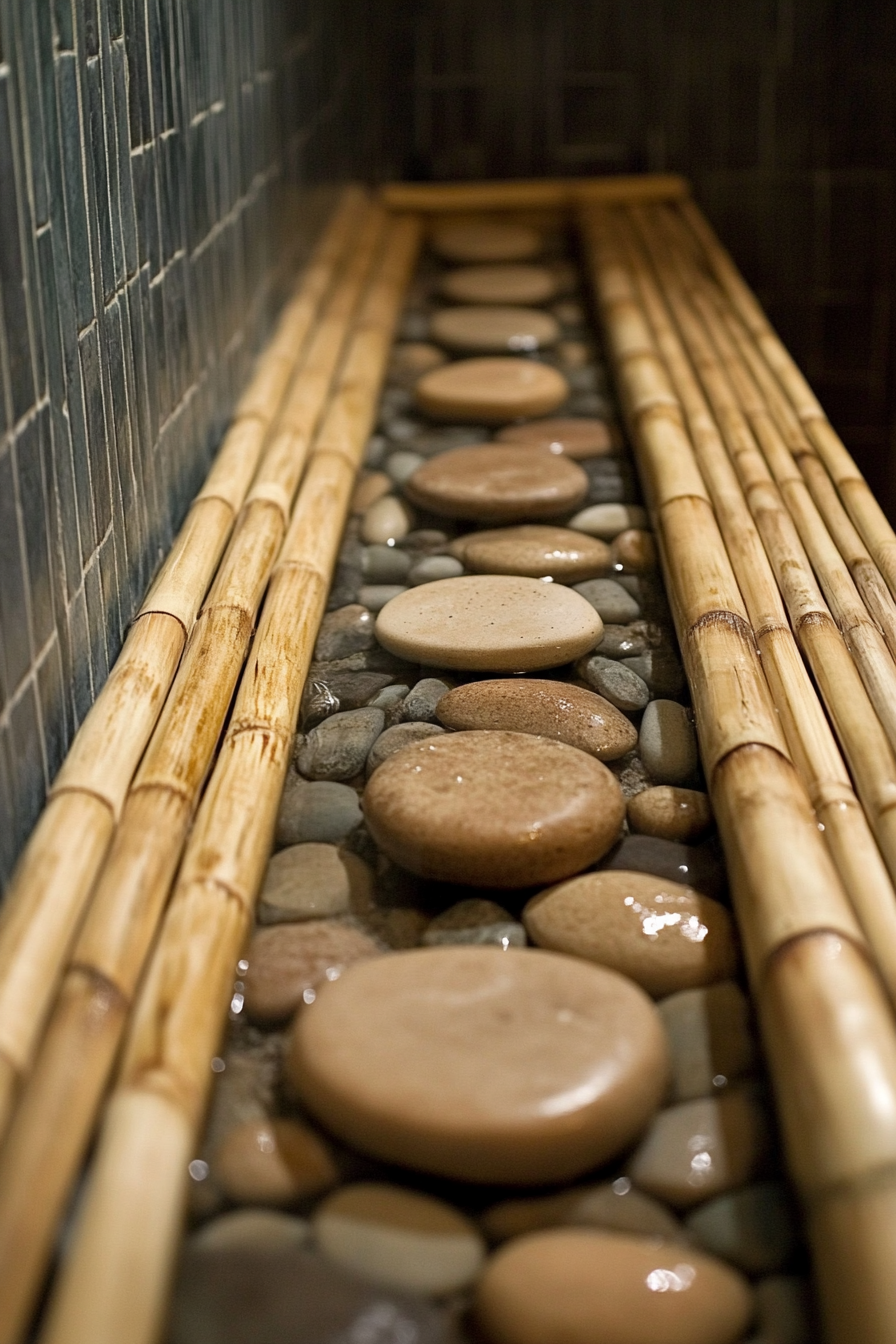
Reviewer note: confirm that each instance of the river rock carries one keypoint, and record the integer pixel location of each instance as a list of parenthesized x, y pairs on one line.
[(343, 632), (388, 699), (671, 813), (396, 738), (433, 567), (251, 1229), (337, 748), (368, 490), (668, 743), (316, 811), (388, 519), (608, 520), (402, 465), (571, 437), (499, 284), (411, 359), (312, 881), (610, 599), (497, 482), (489, 622), (711, 1039), (622, 641), (536, 551), (698, 866), (493, 809), (616, 683), (492, 389), (490, 240), (663, 935), (613, 1205), (582, 1286), (660, 669), (475, 922), (399, 1238), (754, 1228), (546, 708), (493, 329), (420, 703), (288, 961), (376, 595), (384, 564), (634, 551), (275, 1162), (425, 1058)]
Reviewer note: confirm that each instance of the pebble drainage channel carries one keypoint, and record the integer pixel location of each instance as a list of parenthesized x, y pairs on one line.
[(474, 1141)]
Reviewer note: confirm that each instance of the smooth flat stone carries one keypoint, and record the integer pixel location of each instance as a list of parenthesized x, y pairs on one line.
[(613, 1205), (698, 1149), (311, 881), (499, 284), (671, 813), (343, 632), (668, 743), (711, 1039), (376, 595), (316, 811), (396, 738), (563, 435), (663, 935), (698, 866), (634, 551), (486, 330), (547, 708), (537, 551), (485, 241), (754, 1228), (615, 605), (410, 359), (250, 1229), (493, 809), (497, 483), (387, 519), (620, 685), (608, 520), (434, 567), (425, 1058), (272, 1162), (337, 748), (369, 490), (421, 703), (586, 1287), (493, 390), (288, 961), (399, 1238), (489, 622)]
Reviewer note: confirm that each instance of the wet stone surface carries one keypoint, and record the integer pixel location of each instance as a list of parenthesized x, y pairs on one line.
[(495, 848)]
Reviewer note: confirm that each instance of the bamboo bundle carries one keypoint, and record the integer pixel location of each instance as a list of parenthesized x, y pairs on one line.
[(55, 875), (806, 728), (536, 193), (114, 1283), (862, 507), (827, 1024), (53, 1121)]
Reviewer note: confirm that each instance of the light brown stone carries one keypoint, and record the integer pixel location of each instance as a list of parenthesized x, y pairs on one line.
[(554, 709), (671, 813), (585, 1287), (662, 934), (426, 1058), (386, 520), (608, 520), (492, 390), (537, 551), (497, 482), (499, 284), (614, 1205), (710, 1039), (564, 435), (312, 881), (411, 359), (369, 490), (493, 809), (485, 240), (251, 1230), (493, 329), (287, 962), (635, 550), (489, 622), (272, 1162)]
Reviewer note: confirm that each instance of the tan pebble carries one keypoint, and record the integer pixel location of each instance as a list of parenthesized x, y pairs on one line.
[(615, 1205), (635, 551), (426, 1058), (272, 1162), (411, 359), (538, 551), (287, 961), (584, 1287), (369, 490), (489, 622), (399, 1238), (311, 881), (554, 709), (499, 284), (497, 483), (492, 329), (701, 1148), (492, 390), (470, 914), (386, 520), (671, 813), (485, 240), (493, 809), (564, 435), (666, 936), (251, 1229), (608, 520), (573, 354), (710, 1039)]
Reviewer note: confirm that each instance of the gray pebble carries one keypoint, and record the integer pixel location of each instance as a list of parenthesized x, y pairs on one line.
[(389, 696), (610, 600), (402, 430), (661, 669), (420, 706), (414, 327), (507, 934), (375, 450), (337, 748), (340, 690), (589, 403), (393, 739), (622, 687), (423, 539), (583, 379), (400, 466), (348, 630), (668, 743), (318, 703), (621, 641), (374, 596), (395, 401), (753, 1228), (316, 811), (433, 567), (376, 659), (698, 866), (384, 564), (435, 441)]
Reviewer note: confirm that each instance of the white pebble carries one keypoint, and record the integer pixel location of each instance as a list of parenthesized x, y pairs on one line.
[(388, 520), (608, 520), (402, 465)]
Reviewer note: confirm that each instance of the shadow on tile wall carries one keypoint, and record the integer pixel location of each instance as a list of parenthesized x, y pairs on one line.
[(152, 154)]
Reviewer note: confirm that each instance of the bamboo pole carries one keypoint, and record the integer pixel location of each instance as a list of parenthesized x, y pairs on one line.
[(788, 898), (114, 1283), (536, 193), (54, 877), (862, 507), (53, 1121), (806, 729)]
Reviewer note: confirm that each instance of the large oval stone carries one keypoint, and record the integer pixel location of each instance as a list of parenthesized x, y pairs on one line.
[(497, 483), (485, 240), (547, 708), (499, 284), (537, 552), (493, 328), (491, 390), (567, 435)]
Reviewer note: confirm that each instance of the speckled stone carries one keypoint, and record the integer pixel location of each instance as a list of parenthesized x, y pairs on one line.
[(320, 811), (493, 329), (420, 704), (608, 520), (610, 599), (493, 809), (536, 551), (547, 708), (499, 284), (425, 1058), (384, 564), (698, 866), (337, 748), (620, 685), (489, 622), (486, 240), (312, 881), (491, 389), (497, 483), (711, 1039), (668, 743), (388, 519), (582, 1286), (376, 595), (564, 435), (434, 567), (288, 961), (614, 1205), (396, 738), (671, 813), (663, 935), (399, 1238), (343, 632), (754, 1228), (274, 1162)]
